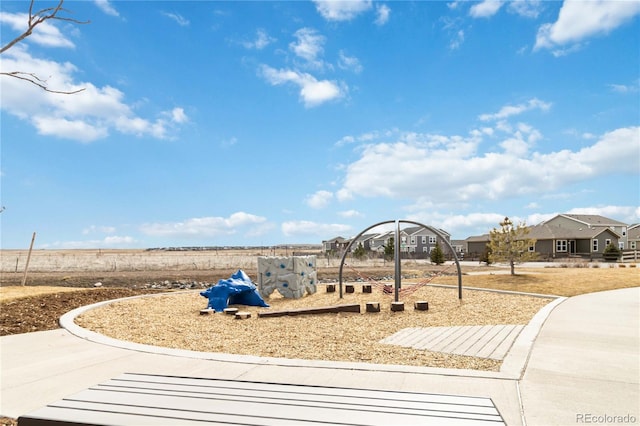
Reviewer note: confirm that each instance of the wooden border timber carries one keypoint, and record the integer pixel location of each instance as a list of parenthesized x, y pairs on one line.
[(312, 311)]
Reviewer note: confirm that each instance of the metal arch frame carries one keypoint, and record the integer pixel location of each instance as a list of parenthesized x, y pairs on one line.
[(397, 253)]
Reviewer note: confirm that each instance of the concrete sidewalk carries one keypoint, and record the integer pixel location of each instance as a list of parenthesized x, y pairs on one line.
[(584, 361)]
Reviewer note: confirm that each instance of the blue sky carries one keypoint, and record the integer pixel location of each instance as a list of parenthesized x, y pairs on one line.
[(262, 123)]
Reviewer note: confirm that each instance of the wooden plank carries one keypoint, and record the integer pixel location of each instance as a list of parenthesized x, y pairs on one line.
[(152, 399), (311, 311)]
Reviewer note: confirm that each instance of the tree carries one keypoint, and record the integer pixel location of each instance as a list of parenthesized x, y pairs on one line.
[(510, 244), (486, 255), (611, 252), (389, 249), (437, 255), (359, 253), (35, 19)]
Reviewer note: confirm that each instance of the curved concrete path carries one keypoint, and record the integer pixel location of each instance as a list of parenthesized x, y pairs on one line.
[(583, 364), (584, 367)]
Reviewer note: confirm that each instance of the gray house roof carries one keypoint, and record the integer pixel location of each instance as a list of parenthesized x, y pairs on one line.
[(594, 220), (478, 238), (544, 231)]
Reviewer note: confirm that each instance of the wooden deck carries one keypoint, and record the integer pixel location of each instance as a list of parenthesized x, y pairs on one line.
[(141, 399), (483, 341)]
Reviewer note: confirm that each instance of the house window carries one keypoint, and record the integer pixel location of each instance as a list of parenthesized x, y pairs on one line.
[(424, 239), (532, 248), (632, 245), (624, 232), (607, 242), (594, 245), (561, 246), (620, 245), (413, 240), (432, 240), (425, 249)]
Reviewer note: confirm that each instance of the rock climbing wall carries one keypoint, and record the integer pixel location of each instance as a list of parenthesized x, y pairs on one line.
[(291, 276)]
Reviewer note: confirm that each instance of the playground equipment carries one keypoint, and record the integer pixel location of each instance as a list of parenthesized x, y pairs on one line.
[(291, 276), (397, 253), (237, 290)]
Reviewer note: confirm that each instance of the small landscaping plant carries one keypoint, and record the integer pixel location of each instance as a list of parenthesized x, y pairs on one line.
[(611, 253)]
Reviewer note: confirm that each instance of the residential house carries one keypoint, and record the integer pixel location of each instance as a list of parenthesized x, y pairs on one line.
[(633, 237), (555, 241), (476, 245), (365, 240), (459, 246), (378, 242), (582, 221), (566, 235), (335, 245), (422, 240)]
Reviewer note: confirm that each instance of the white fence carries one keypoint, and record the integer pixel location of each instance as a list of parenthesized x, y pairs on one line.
[(630, 256)]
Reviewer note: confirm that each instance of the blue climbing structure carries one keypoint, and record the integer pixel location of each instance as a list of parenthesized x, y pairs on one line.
[(237, 290)]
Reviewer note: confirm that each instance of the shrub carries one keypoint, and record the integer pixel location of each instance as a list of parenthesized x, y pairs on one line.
[(611, 252)]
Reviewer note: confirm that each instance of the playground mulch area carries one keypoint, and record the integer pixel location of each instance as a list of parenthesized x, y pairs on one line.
[(174, 321)]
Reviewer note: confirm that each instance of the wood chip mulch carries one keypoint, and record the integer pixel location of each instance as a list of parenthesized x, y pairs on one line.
[(174, 321)]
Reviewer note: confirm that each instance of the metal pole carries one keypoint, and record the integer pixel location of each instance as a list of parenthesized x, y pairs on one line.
[(396, 249)]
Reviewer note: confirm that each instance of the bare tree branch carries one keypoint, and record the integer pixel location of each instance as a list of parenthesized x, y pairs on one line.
[(36, 19), (34, 79)]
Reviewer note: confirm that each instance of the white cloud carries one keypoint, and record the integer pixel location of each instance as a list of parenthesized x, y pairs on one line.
[(319, 200), (308, 45), (99, 229), (382, 14), (113, 241), (579, 20), (85, 116), (350, 213), (306, 228), (341, 10), (525, 8), (45, 34), (178, 115), (625, 88), (78, 130), (262, 40), (510, 110), (457, 40), (626, 214), (368, 136), (211, 226), (179, 19), (424, 159), (464, 225), (229, 142), (106, 7), (485, 9), (313, 92), (349, 62)]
